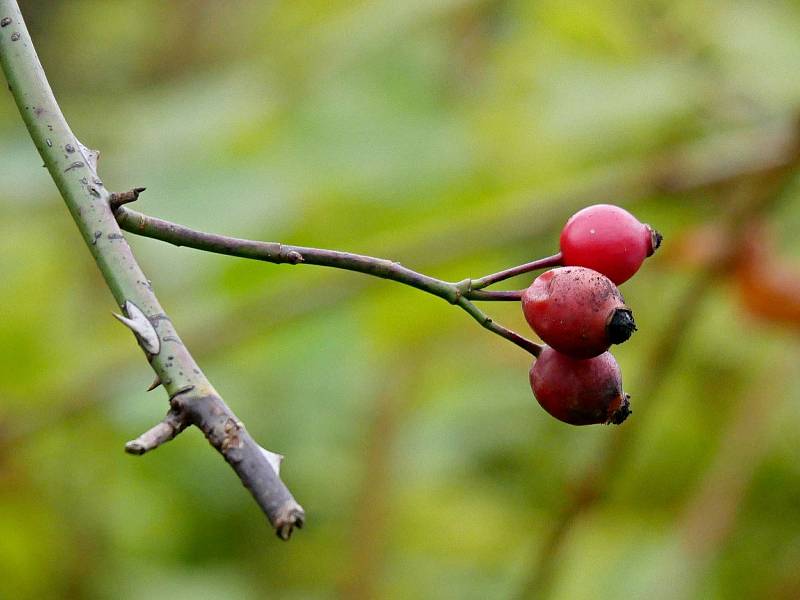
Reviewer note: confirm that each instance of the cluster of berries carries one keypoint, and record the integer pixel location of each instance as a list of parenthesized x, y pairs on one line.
[(578, 312)]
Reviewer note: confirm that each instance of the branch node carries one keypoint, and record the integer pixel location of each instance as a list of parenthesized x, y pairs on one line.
[(294, 257), (462, 288), (117, 199), (183, 390)]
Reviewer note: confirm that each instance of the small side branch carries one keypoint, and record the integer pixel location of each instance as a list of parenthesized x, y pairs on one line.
[(257, 468), (117, 199), (161, 433)]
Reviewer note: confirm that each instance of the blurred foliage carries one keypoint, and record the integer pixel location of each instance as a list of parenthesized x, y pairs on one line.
[(441, 134)]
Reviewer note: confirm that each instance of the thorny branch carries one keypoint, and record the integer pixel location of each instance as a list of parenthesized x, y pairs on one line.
[(193, 400), (669, 176), (709, 163)]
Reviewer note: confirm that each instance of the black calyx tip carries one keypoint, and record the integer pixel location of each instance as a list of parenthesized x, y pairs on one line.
[(621, 326), (655, 240), (623, 412)]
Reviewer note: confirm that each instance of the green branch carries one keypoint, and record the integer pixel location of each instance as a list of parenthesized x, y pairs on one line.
[(193, 400)]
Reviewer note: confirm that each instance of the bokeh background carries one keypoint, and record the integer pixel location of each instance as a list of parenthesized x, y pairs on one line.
[(455, 136)]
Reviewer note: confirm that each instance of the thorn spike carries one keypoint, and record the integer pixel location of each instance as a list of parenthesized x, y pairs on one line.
[(141, 326), (155, 384)]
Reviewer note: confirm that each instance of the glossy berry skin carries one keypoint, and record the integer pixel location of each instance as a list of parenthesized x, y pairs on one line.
[(608, 239), (577, 311), (580, 392)]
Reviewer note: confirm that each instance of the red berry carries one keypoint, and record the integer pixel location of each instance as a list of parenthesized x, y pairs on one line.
[(608, 239), (580, 392), (577, 311)]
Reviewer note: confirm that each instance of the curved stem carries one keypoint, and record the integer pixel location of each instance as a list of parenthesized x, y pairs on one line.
[(488, 323), (277, 253), (542, 263), (460, 293)]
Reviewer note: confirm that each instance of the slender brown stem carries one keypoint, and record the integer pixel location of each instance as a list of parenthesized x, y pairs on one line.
[(460, 293), (542, 263), (492, 296), (488, 323)]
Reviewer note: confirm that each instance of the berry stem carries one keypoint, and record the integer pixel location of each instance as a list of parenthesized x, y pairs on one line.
[(542, 263), (491, 296), (460, 293), (487, 322)]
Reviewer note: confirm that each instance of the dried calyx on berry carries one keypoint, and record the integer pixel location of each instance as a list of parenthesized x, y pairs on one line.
[(608, 239), (655, 240), (620, 326), (577, 311), (580, 392)]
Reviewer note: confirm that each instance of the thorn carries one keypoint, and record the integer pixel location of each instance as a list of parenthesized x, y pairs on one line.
[(92, 156), (122, 319), (117, 199), (137, 322), (155, 384), (273, 459)]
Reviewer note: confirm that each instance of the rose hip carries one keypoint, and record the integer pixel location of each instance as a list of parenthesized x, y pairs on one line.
[(577, 311), (580, 392), (608, 239)]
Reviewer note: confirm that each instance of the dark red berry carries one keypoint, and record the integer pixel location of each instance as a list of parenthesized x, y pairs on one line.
[(577, 311), (608, 239), (580, 392)]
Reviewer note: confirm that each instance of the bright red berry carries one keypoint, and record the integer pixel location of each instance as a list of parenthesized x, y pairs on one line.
[(608, 239), (580, 392), (577, 311)]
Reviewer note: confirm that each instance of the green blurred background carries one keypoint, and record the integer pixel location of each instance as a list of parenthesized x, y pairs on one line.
[(454, 136)]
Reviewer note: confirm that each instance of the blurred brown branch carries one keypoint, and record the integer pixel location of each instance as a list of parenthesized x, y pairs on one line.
[(754, 195), (710, 514), (361, 580)]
